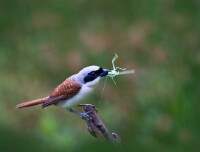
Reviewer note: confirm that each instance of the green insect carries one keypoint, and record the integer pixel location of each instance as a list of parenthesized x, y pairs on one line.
[(115, 73)]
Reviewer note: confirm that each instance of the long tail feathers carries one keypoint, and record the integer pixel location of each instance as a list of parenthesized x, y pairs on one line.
[(31, 103)]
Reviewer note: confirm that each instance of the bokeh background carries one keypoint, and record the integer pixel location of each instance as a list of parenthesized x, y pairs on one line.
[(42, 42)]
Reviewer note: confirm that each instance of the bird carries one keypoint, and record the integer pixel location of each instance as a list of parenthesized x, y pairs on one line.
[(72, 91)]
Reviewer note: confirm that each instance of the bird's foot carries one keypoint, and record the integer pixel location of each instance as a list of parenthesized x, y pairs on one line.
[(90, 106), (85, 115)]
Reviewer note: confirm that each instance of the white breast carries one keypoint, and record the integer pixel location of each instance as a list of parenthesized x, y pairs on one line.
[(76, 100)]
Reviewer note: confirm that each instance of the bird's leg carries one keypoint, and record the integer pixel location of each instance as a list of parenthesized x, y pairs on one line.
[(89, 105), (83, 115)]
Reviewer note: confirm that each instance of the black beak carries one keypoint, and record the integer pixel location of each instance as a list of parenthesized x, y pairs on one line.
[(104, 73)]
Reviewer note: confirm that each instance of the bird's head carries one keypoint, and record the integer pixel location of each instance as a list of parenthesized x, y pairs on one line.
[(90, 75)]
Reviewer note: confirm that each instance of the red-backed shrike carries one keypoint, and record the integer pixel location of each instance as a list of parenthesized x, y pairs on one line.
[(72, 91)]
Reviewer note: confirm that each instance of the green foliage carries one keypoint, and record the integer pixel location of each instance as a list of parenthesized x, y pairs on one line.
[(44, 42)]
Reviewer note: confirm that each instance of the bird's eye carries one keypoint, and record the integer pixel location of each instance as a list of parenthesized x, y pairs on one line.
[(92, 73)]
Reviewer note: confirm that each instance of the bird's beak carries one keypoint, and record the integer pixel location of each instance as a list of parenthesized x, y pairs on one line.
[(104, 73)]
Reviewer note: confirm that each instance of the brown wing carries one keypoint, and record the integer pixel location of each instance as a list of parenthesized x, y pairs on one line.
[(64, 91)]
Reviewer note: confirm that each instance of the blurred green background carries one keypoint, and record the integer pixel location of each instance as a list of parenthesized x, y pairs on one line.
[(42, 42)]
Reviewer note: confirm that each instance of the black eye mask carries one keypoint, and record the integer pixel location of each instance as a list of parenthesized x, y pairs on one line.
[(98, 72), (93, 75)]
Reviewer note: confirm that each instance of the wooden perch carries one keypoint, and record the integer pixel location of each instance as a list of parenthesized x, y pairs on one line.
[(98, 129)]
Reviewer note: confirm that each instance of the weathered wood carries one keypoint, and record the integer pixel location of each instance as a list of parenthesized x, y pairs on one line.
[(97, 128)]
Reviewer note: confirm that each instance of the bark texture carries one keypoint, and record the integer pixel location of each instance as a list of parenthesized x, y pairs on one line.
[(97, 128)]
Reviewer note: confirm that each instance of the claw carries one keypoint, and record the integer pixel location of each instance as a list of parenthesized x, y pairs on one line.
[(86, 116), (89, 105), (83, 115)]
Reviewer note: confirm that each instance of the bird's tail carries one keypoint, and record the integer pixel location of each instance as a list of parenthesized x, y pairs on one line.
[(31, 103)]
